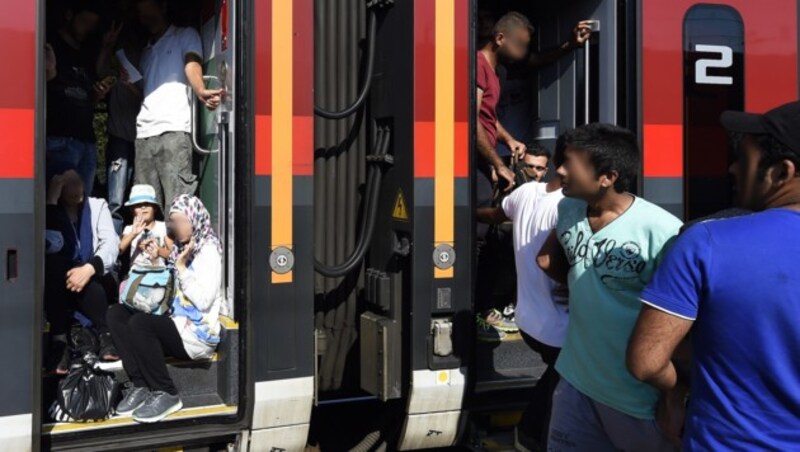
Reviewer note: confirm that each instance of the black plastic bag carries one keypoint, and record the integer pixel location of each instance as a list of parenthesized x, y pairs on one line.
[(86, 393)]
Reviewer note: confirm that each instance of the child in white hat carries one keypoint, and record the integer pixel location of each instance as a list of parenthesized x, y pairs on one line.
[(146, 237)]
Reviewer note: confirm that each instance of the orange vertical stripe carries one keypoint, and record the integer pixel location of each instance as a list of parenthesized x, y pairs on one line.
[(282, 127), (444, 95)]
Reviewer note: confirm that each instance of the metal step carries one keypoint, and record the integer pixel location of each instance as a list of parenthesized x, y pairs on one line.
[(207, 387), (506, 364)]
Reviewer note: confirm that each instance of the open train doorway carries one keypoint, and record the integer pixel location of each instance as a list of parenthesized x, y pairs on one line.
[(559, 85), (100, 82)]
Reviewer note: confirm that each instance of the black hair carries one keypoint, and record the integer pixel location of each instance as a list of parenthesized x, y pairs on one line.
[(510, 21), (610, 149), (537, 150), (772, 152)]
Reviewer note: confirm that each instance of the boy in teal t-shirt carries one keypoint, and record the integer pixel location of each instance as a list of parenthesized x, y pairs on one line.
[(606, 246)]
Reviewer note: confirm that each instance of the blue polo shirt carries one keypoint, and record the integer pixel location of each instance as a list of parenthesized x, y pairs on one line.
[(738, 280)]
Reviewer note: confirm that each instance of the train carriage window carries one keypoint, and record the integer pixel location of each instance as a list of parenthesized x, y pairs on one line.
[(713, 82)]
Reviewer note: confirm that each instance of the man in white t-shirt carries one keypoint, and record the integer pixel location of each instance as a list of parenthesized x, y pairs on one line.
[(171, 70), (541, 311)]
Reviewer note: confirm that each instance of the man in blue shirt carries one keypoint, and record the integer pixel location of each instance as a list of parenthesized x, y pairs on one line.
[(606, 247), (735, 285)]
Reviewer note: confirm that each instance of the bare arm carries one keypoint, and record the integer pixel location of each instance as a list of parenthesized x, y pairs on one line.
[(580, 34), (194, 74), (491, 215), (655, 338), (552, 259), (485, 148)]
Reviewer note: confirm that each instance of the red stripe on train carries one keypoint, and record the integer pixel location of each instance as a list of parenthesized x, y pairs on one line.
[(16, 143), (424, 91), (262, 87), (462, 94), (303, 88)]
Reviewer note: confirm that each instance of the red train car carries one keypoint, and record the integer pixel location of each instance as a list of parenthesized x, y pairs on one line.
[(339, 175)]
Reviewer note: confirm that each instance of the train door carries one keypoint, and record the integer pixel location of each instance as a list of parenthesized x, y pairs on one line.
[(212, 390), (699, 59), (20, 214), (536, 105), (280, 251)]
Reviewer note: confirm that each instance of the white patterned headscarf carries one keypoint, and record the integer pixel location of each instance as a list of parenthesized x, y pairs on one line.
[(202, 232)]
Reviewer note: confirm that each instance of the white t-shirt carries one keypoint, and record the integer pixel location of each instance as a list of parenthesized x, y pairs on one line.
[(534, 213), (167, 94), (159, 233)]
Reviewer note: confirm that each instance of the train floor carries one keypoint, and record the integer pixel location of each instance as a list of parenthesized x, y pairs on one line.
[(506, 364)]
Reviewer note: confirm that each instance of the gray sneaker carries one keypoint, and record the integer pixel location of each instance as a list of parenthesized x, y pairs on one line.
[(134, 398), (158, 406)]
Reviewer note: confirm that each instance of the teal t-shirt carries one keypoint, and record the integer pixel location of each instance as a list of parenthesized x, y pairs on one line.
[(608, 271)]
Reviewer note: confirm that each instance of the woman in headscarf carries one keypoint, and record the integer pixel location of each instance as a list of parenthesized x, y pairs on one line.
[(190, 332), (81, 247)]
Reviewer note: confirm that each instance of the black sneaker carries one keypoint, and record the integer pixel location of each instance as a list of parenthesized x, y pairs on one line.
[(157, 406), (134, 398), (107, 350)]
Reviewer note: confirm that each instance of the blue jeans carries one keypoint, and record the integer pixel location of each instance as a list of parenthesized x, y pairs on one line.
[(119, 170), (65, 153)]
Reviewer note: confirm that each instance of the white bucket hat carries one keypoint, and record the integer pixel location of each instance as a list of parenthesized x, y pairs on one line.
[(142, 194)]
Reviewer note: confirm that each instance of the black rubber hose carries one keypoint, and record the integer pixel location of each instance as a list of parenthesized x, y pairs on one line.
[(367, 220), (362, 96)]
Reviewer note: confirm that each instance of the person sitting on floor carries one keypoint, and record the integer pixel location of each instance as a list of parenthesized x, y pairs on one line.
[(190, 332), (82, 247)]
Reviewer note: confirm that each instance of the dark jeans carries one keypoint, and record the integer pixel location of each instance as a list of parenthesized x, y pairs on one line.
[(165, 162), (65, 153), (119, 172), (60, 303), (536, 417), (142, 341)]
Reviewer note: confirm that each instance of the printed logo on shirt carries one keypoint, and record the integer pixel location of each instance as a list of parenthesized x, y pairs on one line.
[(617, 265)]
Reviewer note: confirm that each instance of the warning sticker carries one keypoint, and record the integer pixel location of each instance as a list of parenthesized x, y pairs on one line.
[(400, 211)]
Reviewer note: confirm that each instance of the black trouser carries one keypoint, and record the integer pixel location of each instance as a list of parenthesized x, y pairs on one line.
[(536, 417), (495, 283), (60, 303), (496, 275), (142, 341)]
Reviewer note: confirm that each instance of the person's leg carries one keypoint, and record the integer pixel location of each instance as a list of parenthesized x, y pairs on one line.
[(147, 165), (484, 193), (177, 170), (118, 319), (93, 303), (574, 425), (87, 166), (154, 338), (58, 301), (630, 434), (119, 164), (535, 418)]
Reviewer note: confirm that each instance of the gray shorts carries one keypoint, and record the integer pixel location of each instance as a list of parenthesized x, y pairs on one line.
[(579, 423)]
